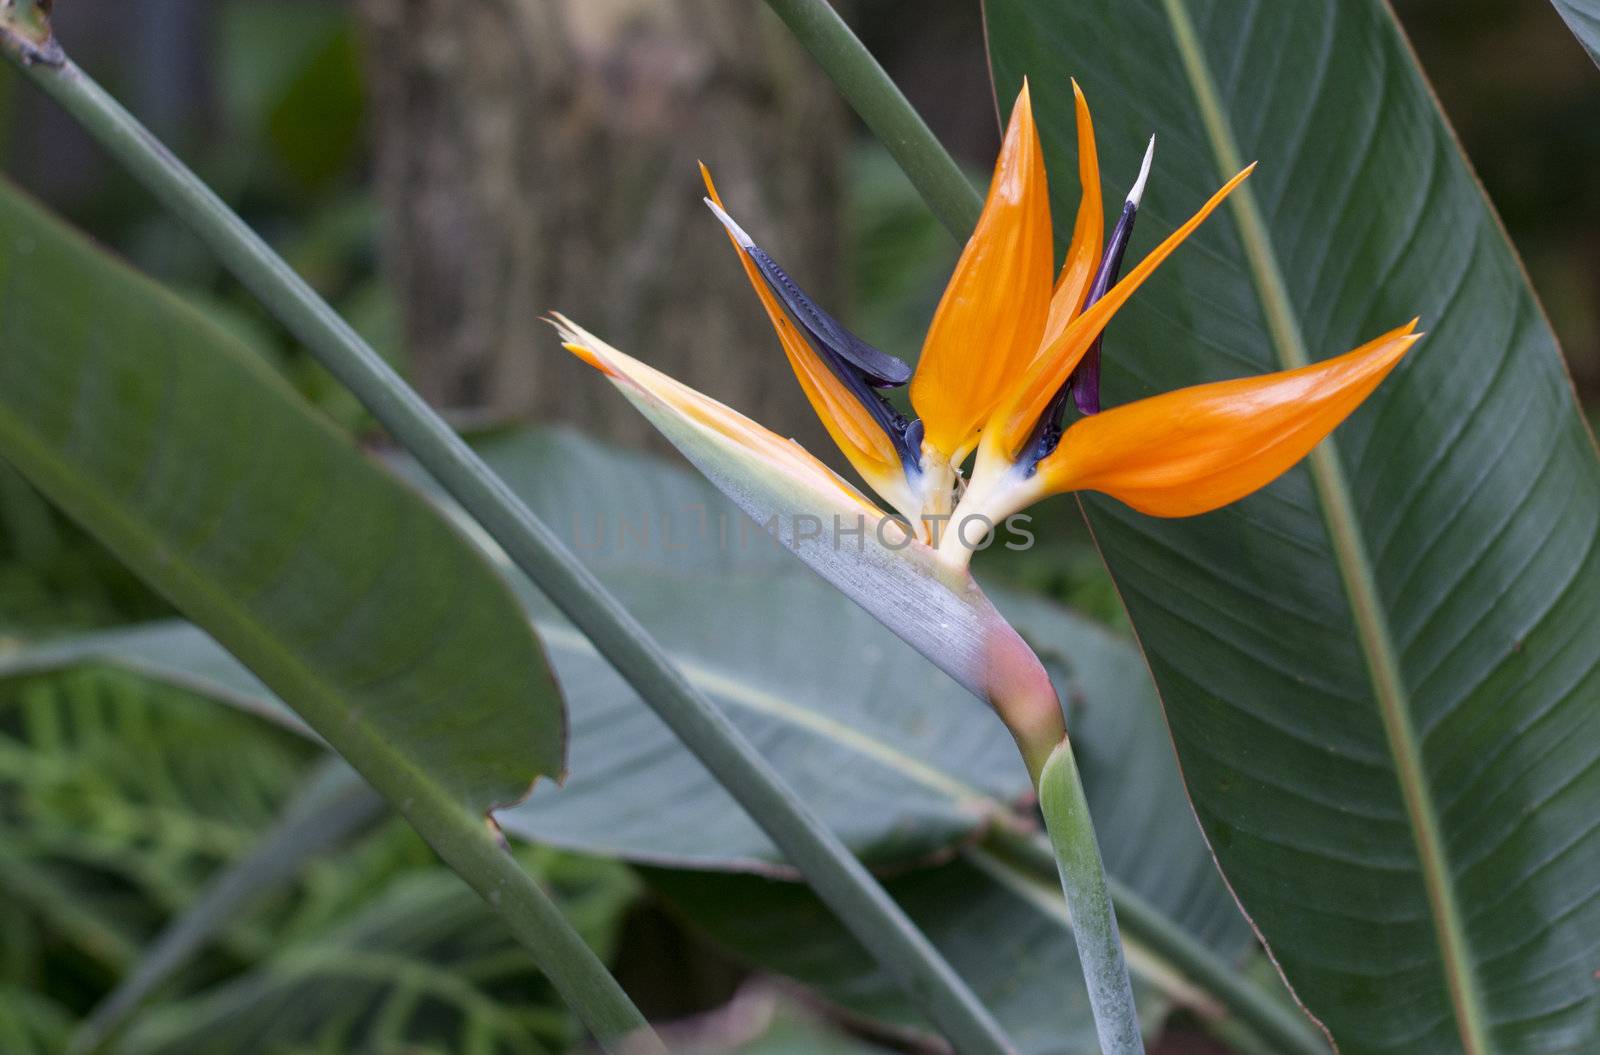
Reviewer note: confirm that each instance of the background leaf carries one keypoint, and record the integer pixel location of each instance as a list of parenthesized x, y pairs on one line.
[(200, 469), (116, 801), (330, 807), (904, 764), (1382, 672), (1583, 16), (897, 809), (122, 800), (1017, 956), (418, 964)]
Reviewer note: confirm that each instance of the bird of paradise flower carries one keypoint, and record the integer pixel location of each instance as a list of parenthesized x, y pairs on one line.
[(1013, 349), (1007, 352)]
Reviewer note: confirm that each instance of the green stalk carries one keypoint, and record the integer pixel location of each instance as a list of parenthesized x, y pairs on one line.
[(533, 919), (833, 872), (1274, 1024), (1094, 922), (881, 105), (956, 204)]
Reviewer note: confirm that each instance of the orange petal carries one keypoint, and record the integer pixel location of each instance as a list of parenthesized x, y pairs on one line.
[(1088, 233), (719, 420), (861, 439), (1193, 450), (1054, 364), (988, 324)]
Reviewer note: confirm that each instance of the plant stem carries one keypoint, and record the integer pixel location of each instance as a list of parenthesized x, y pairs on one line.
[(885, 110), (890, 116), (463, 837), (533, 918), (1274, 1022), (1094, 923), (833, 872)]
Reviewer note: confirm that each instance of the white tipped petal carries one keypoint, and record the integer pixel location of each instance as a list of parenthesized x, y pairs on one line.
[(1136, 195), (739, 235)]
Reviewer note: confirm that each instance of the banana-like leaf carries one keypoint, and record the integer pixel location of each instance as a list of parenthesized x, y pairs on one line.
[(902, 762), (872, 737), (1008, 938), (905, 785), (1382, 673), (1583, 17), (194, 463)]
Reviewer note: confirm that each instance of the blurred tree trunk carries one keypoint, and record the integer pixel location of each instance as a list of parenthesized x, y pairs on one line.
[(538, 154)]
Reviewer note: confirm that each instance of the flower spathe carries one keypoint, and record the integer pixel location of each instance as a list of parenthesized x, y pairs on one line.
[(1007, 345)]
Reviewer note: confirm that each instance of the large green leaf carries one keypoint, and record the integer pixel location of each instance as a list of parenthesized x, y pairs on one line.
[(874, 738), (1014, 949), (200, 469), (903, 763), (905, 789), (1383, 672)]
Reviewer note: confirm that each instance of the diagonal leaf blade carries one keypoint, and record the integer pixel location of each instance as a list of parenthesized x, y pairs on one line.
[(201, 469), (839, 879), (1381, 672), (1583, 18), (334, 583), (906, 778)]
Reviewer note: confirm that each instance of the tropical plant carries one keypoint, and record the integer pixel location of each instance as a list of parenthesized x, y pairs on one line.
[(223, 783)]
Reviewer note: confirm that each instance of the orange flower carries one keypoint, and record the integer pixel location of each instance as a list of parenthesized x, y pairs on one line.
[(1007, 350)]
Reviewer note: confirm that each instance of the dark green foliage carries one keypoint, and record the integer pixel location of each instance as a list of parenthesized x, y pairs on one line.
[(120, 799), (1381, 673)]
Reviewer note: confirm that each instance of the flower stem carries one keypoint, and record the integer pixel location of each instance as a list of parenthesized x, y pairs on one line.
[(1275, 1024), (840, 880), (1094, 923)]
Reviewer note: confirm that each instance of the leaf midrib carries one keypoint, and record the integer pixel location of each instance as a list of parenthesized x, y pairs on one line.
[(1148, 962), (356, 741), (753, 697), (1151, 964), (1350, 555)]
